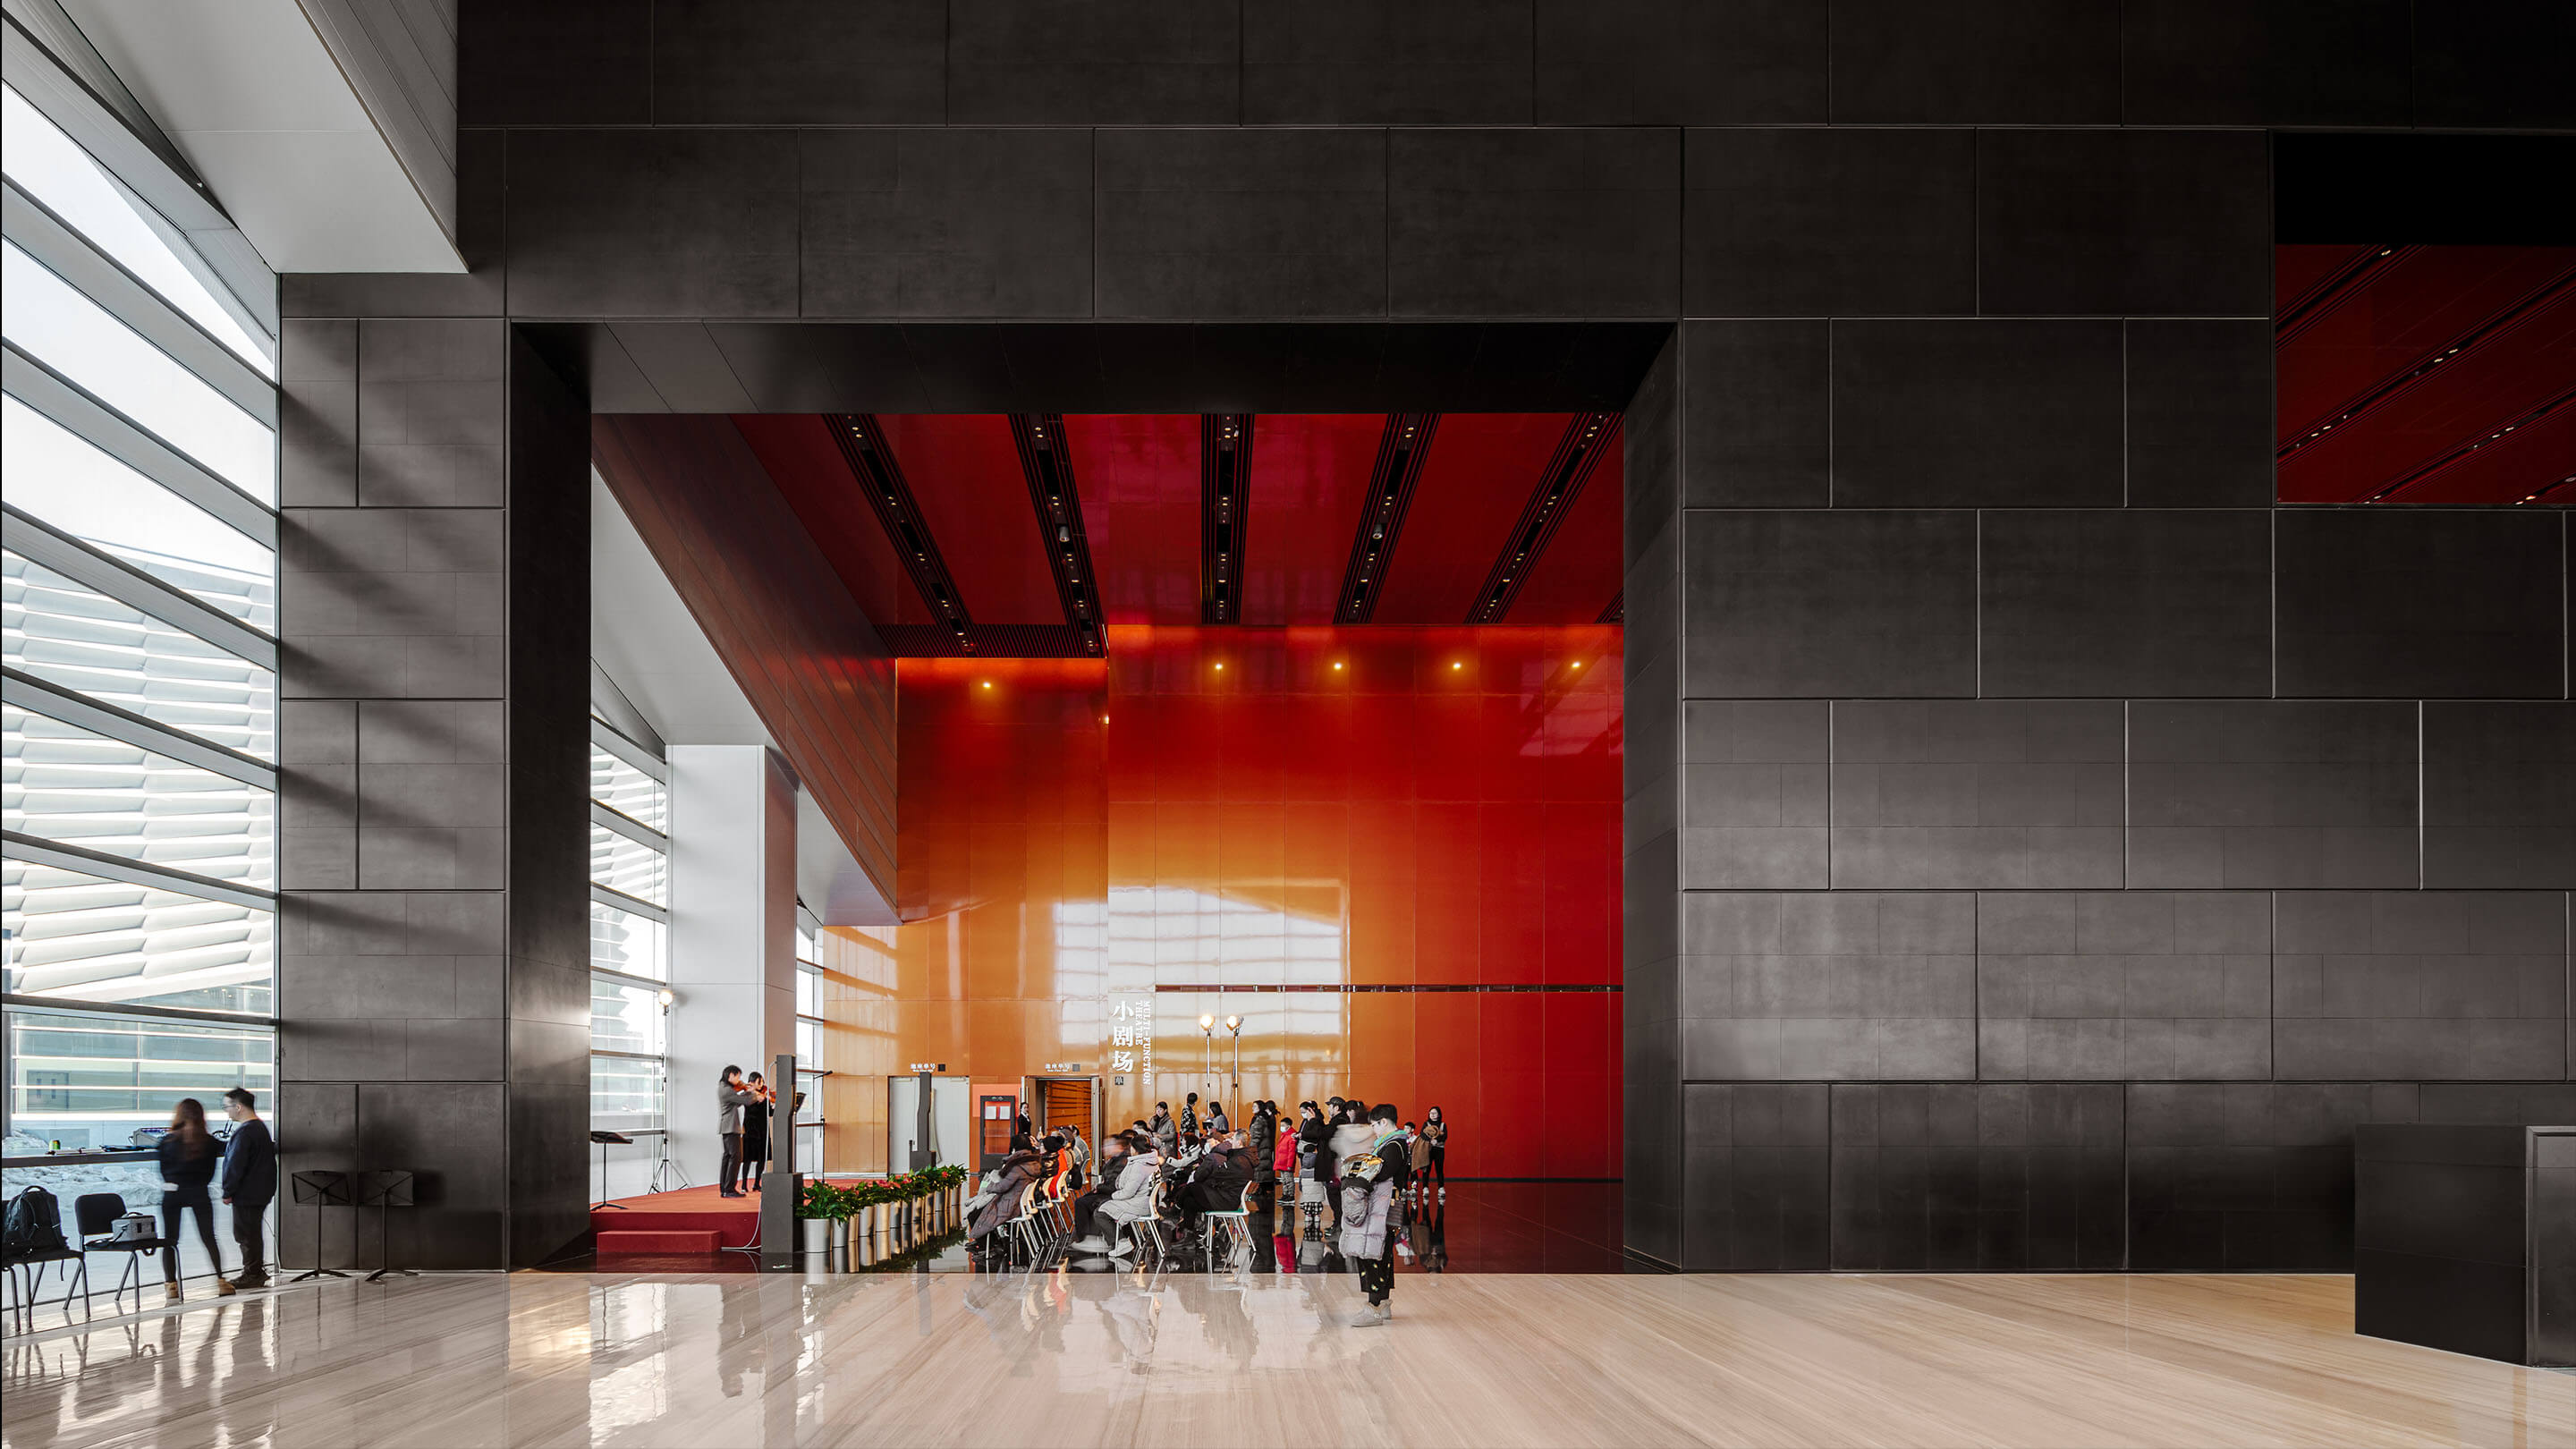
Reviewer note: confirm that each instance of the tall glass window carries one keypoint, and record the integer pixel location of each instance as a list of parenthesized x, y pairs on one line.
[(138, 603), (629, 920)]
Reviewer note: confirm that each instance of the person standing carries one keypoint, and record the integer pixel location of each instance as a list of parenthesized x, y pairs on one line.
[(188, 1159), (1167, 1135), (1435, 1130), (756, 1121), (1374, 1180), (249, 1185), (1217, 1125), (731, 1098)]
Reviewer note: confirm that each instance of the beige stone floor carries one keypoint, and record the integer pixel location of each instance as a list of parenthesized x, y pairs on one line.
[(1100, 1359)]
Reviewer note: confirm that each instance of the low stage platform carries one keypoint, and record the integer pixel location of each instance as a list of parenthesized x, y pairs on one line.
[(690, 1220)]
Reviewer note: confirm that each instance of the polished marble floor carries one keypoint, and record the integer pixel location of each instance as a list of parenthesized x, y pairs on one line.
[(1244, 1359)]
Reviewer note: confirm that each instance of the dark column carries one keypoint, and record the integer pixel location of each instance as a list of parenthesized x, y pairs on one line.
[(433, 989)]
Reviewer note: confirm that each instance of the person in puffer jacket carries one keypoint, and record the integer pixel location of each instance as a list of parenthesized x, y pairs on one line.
[(1134, 1200), (1373, 1181)]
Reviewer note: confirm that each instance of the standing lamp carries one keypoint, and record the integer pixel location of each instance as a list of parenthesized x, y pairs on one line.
[(1234, 1027), (1207, 1029)]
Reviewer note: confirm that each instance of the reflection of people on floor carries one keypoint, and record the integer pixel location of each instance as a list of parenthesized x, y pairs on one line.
[(737, 1336), (1428, 1234), (1229, 1327)]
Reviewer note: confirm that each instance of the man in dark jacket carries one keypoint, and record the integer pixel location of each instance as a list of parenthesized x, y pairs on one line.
[(249, 1184)]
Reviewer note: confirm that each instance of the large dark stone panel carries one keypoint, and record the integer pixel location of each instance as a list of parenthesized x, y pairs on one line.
[(1532, 223), (444, 1137), (1361, 63), (1820, 605), (2248, 1177), (317, 413), (1757, 414), (1992, 62), (1828, 985), (2272, 794), (2124, 985), (673, 223), (429, 413), (2497, 63), (2457, 985), (2200, 412), (1262, 223), (800, 62), (1966, 794), (1828, 222), (2265, 62), (2141, 223), (946, 223), (2125, 603), (1994, 413), (1753, 794), (2442, 1236), (1754, 1177), (391, 602), (2499, 794), (1653, 62), (2421, 602), (1094, 63), (1999, 1179), (567, 63)]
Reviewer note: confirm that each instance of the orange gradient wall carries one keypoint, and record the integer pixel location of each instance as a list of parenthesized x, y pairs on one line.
[(1392, 852)]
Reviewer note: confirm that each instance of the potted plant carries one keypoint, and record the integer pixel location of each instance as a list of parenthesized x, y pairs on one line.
[(819, 1218)]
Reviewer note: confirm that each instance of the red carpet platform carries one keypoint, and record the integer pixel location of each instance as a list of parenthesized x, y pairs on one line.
[(692, 1220)]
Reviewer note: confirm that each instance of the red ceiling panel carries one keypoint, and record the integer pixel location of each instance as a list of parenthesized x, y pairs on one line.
[(2297, 269), (2511, 469), (1310, 476), (1139, 478), (965, 476), (800, 456), (1579, 573), (2401, 384), (2399, 316), (1475, 481), (2460, 402)]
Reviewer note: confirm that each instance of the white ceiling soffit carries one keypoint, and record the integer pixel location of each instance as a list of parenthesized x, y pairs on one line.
[(250, 95), (828, 877), (653, 651)]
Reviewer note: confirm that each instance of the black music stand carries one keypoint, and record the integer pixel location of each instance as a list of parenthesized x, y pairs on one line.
[(318, 1190), (388, 1189), (607, 1140)]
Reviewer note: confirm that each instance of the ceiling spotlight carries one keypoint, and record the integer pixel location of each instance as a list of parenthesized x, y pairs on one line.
[(1337, 664), (1220, 664), (988, 684), (1457, 664), (1104, 719), (1577, 664)]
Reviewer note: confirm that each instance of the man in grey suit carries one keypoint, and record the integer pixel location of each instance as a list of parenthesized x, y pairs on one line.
[(731, 1098)]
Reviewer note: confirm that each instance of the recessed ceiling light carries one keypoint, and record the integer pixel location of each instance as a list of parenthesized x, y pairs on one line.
[(1577, 664), (1220, 664), (988, 684), (1337, 664), (1456, 664)]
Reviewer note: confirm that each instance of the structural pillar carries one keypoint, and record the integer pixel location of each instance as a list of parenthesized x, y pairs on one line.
[(733, 931)]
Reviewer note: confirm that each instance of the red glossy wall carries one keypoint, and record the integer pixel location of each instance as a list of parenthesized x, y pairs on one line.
[(1421, 843)]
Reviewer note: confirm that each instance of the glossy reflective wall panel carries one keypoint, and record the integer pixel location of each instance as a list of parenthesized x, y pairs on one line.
[(1390, 852)]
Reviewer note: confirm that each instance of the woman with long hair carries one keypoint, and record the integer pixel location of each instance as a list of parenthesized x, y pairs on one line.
[(189, 1156), (1435, 1130), (755, 1133)]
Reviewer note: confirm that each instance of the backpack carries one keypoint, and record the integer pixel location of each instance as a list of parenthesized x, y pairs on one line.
[(34, 1225)]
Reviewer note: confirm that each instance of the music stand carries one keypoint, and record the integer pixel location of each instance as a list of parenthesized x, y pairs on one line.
[(318, 1190), (607, 1140), (387, 1190)]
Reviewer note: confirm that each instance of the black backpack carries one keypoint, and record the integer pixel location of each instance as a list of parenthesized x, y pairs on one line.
[(34, 1225)]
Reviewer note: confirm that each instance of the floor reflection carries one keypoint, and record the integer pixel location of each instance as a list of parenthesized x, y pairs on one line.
[(1257, 1356)]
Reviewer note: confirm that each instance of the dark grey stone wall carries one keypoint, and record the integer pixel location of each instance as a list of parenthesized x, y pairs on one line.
[(2040, 851), (434, 953)]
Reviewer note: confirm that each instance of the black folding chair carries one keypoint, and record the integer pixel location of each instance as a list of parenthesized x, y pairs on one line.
[(34, 1264), (96, 1213)]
